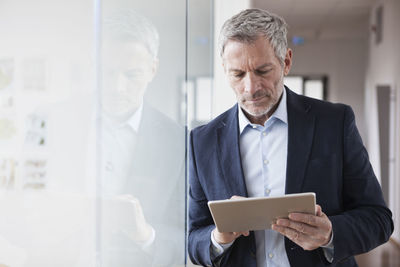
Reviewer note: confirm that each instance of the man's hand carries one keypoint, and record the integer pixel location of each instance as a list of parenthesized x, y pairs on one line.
[(125, 214), (228, 237), (306, 230)]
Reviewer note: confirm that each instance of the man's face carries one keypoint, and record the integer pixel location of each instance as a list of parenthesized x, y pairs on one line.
[(256, 76), (128, 68)]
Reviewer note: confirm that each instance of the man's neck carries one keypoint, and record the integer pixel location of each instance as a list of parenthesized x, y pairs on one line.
[(264, 117), (133, 117)]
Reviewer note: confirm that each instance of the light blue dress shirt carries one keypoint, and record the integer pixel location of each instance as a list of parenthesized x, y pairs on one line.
[(263, 152)]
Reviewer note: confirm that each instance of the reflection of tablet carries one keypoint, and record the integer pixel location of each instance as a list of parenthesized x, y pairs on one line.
[(258, 213)]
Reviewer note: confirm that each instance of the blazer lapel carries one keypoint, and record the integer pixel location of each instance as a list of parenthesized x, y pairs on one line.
[(300, 136), (229, 154)]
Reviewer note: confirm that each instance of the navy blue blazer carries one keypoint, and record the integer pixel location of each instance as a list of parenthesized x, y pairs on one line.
[(325, 155)]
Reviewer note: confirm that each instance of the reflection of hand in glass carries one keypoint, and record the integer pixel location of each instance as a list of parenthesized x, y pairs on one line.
[(124, 214), (129, 63), (135, 136), (139, 231)]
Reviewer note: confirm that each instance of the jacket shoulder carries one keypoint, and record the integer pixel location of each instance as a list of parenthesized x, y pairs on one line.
[(325, 108), (220, 121)]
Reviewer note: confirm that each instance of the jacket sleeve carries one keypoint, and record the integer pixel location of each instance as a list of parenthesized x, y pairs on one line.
[(366, 221), (200, 219)]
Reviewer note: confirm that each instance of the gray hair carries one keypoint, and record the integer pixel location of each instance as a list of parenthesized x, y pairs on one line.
[(129, 26), (250, 24)]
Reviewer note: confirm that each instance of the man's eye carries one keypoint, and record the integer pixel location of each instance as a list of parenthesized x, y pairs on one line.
[(262, 72), (132, 75), (238, 75)]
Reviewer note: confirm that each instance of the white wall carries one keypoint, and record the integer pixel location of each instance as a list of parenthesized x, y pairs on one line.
[(344, 64), (200, 38), (384, 69)]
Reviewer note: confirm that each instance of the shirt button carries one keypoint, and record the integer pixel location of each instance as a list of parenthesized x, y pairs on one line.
[(254, 126), (109, 166), (270, 255), (267, 191), (266, 161), (264, 133)]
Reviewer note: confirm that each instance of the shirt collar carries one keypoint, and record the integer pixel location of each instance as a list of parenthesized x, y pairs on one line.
[(134, 121), (280, 113)]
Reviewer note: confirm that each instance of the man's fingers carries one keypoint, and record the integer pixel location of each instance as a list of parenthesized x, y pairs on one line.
[(311, 232), (300, 227), (289, 233), (318, 210), (227, 237), (309, 219), (245, 233), (237, 197), (223, 237), (307, 230), (300, 239)]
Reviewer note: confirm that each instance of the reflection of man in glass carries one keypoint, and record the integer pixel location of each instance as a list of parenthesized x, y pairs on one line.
[(142, 153), (129, 63)]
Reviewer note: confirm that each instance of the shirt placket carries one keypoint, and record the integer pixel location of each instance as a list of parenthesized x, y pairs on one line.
[(264, 135), (264, 140)]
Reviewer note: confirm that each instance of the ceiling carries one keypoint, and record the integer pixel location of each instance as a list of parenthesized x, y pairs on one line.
[(322, 19)]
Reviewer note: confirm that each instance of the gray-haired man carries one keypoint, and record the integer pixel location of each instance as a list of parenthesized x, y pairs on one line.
[(143, 152), (275, 142)]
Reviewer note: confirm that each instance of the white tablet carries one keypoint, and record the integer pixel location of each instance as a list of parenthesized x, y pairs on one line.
[(258, 213)]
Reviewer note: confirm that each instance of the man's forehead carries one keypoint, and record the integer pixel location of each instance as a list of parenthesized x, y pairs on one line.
[(239, 59), (257, 67), (125, 46), (241, 48), (123, 52), (257, 54), (247, 42)]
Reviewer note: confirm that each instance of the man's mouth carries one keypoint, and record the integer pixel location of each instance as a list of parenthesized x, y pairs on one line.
[(257, 99)]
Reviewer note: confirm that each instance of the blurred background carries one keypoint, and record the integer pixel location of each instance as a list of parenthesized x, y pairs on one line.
[(78, 76)]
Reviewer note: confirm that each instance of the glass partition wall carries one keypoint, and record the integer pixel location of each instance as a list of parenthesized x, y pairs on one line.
[(92, 133), (142, 59), (48, 171)]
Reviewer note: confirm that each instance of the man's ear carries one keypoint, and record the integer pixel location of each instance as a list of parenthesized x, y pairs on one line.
[(288, 61), (154, 68), (223, 64)]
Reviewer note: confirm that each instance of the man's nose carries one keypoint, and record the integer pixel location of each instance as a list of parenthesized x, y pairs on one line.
[(250, 83), (121, 83)]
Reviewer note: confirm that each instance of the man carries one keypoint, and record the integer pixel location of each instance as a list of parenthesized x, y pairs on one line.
[(275, 142), (143, 153)]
